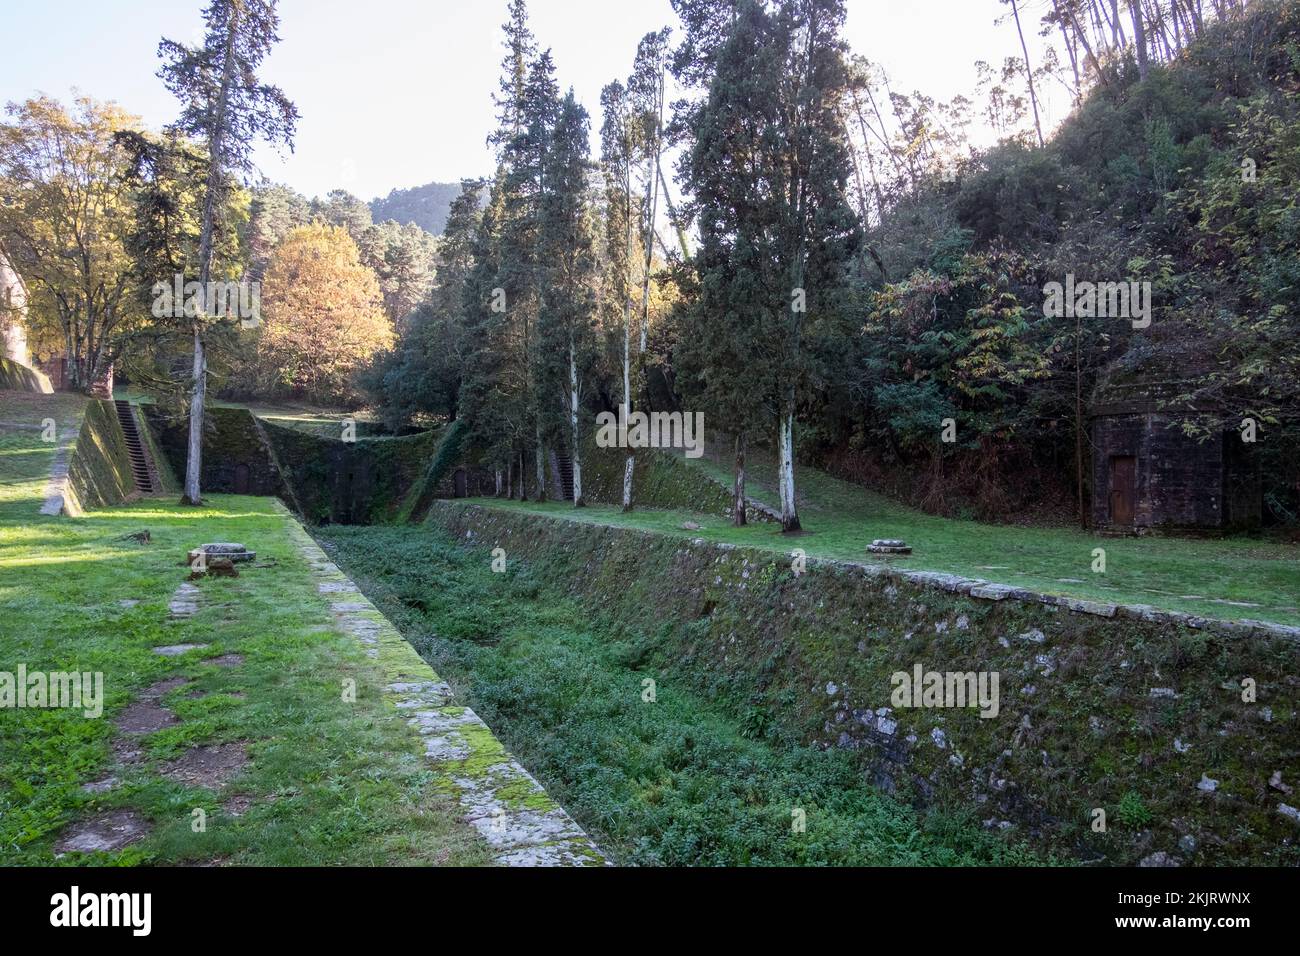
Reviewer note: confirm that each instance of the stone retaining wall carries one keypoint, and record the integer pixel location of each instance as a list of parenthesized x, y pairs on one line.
[(1184, 731), (511, 811)]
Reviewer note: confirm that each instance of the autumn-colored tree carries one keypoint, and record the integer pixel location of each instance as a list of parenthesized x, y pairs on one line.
[(323, 315), (63, 221), (224, 104)]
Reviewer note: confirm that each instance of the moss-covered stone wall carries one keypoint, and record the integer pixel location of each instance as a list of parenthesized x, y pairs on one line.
[(99, 466), (660, 479), (20, 378), (1144, 720), (361, 482), (326, 479), (235, 459)]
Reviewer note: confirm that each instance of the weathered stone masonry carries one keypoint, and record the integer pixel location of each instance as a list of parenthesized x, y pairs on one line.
[(1102, 705)]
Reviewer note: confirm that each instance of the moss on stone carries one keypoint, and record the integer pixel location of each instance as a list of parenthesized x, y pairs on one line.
[(1078, 728), (99, 466)]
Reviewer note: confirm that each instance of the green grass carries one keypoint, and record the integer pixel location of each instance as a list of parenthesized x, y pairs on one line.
[(24, 458), (304, 416), (680, 781), (1195, 575), (330, 782)]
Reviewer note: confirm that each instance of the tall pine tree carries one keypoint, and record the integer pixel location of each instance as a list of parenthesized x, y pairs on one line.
[(567, 250), (225, 105), (768, 177)]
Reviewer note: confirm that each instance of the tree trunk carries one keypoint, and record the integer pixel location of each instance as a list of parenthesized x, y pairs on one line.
[(194, 452), (1029, 72), (627, 342), (523, 476), (738, 516), (652, 206), (1070, 44), (1139, 37), (216, 136), (1078, 423), (573, 425), (672, 214), (627, 482), (540, 457), (785, 466), (578, 500), (1082, 34), (627, 403)]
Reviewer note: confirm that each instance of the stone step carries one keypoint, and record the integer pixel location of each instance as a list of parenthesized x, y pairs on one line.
[(135, 449)]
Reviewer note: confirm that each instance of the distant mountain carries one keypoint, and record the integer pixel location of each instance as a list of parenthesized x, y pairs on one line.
[(426, 205)]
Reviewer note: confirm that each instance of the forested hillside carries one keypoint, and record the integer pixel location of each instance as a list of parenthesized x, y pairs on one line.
[(424, 206), (869, 292), (1179, 174)]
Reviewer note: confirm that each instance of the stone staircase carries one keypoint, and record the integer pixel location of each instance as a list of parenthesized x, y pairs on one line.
[(564, 466), (141, 465)]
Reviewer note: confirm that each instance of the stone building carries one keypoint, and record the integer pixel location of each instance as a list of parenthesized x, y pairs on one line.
[(13, 313), (1148, 474), (14, 343)]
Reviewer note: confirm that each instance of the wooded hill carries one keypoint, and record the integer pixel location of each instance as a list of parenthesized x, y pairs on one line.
[(425, 206), (866, 291), (1181, 174)]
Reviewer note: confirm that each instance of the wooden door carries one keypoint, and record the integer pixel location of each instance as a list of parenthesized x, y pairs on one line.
[(461, 490), (241, 479), (1123, 490)]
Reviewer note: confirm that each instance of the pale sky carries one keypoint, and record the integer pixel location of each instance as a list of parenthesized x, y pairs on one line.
[(396, 93)]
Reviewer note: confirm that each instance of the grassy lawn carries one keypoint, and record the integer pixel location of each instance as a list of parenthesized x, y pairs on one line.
[(326, 782), (304, 416), (24, 458), (1223, 578), (680, 781)]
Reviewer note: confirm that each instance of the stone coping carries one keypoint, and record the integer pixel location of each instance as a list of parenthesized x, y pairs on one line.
[(500, 799), (980, 589)]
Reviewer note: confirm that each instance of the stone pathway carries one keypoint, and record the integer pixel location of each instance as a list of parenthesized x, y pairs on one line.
[(501, 799), (57, 498), (185, 601), (203, 765), (106, 831)]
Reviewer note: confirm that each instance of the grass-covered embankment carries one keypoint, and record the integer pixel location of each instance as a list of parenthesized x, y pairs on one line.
[(691, 777), (327, 781), (1186, 737), (1232, 578)]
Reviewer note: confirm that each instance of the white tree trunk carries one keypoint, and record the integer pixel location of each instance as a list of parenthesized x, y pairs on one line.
[(627, 402), (216, 155), (652, 208), (194, 454), (785, 463), (573, 425), (627, 356), (578, 500)]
